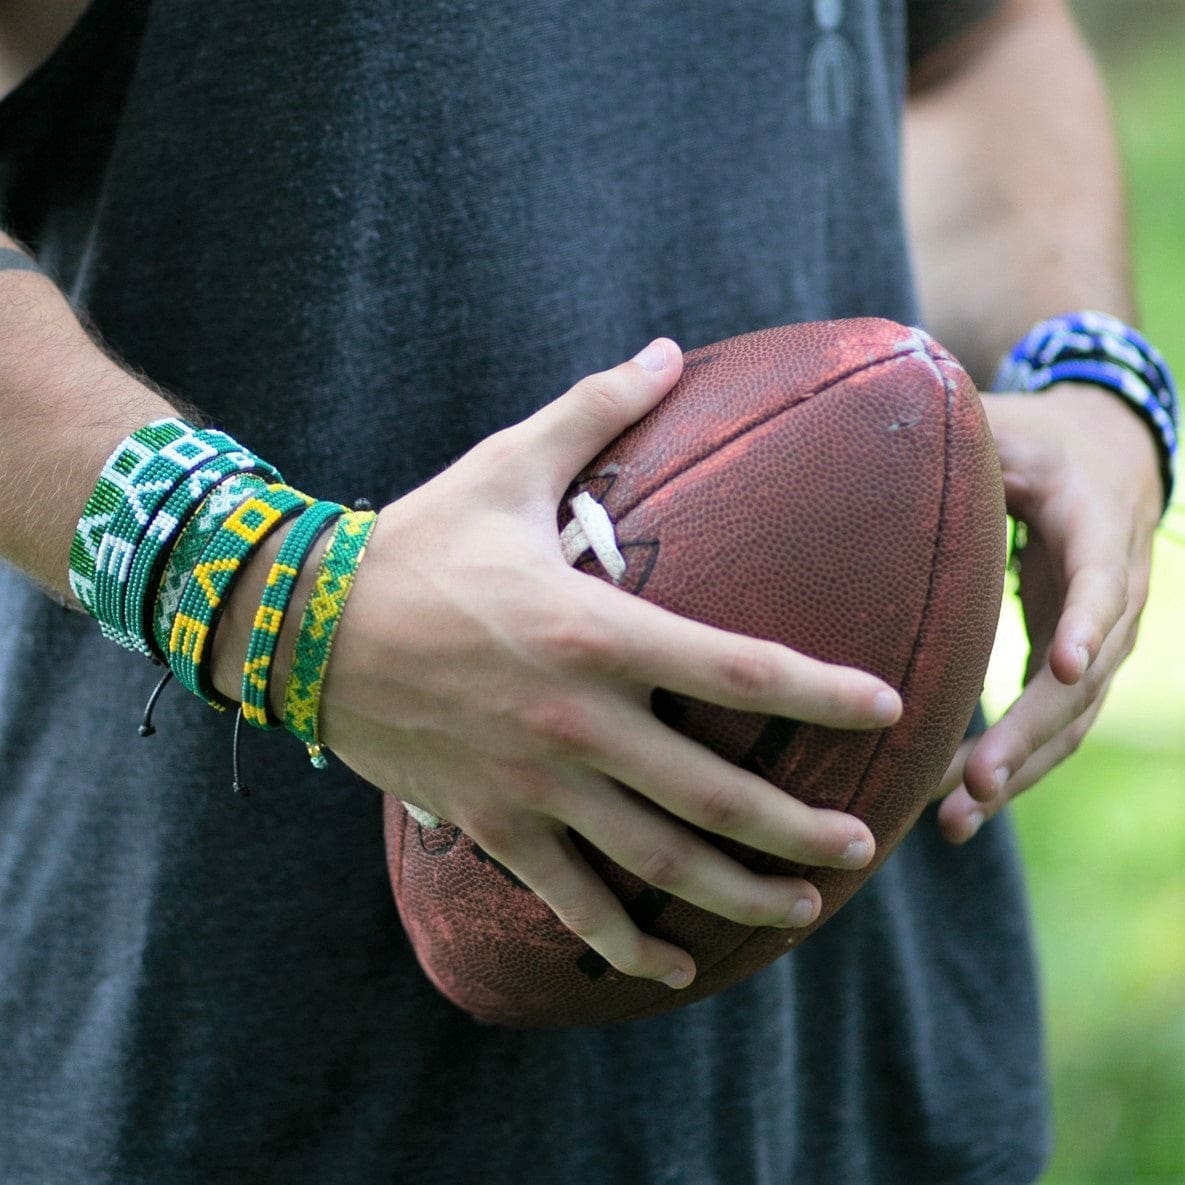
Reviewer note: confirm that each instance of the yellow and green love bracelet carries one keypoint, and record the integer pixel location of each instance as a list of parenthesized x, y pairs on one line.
[(213, 577), (318, 624)]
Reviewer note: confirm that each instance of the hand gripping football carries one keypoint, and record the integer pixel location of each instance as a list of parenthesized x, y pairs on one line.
[(831, 486)]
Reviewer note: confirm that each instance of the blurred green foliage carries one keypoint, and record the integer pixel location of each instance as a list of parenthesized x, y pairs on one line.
[(1104, 835)]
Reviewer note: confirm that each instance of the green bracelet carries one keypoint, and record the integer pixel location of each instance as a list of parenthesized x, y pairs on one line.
[(218, 506), (269, 618), (167, 526), (87, 550), (134, 513), (335, 579), (213, 578)]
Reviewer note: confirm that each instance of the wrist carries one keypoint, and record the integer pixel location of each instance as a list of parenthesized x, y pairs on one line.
[(1107, 356)]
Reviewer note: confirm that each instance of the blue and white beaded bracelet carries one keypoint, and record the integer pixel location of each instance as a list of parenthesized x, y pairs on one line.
[(1090, 347)]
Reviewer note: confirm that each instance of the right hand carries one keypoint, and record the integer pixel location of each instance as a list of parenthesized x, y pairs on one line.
[(478, 676)]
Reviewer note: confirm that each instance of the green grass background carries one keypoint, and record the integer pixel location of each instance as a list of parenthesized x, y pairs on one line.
[(1104, 835)]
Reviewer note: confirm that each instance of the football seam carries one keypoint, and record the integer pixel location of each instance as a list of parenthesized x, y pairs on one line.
[(854, 802), (723, 442)]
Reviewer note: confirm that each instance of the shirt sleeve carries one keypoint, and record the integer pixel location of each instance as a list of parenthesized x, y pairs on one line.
[(933, 22)]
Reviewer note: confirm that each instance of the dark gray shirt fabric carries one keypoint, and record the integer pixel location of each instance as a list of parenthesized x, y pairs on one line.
[(361, 235)]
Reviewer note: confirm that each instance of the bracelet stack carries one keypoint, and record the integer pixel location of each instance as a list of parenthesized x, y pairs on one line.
[(1095, 348), (176, 515)]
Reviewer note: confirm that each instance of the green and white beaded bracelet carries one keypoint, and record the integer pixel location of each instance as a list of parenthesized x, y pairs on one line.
[(269, 618), (124, 529), (213, 578), (119, 474), (167, 525), (318, 625)]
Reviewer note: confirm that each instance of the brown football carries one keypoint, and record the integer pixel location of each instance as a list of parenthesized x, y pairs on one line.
[(832, 486)]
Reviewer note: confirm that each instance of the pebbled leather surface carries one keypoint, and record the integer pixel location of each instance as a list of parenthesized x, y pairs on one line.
[(833, 486)]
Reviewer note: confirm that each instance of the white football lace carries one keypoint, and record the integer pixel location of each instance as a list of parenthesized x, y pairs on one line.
[(591, 527)]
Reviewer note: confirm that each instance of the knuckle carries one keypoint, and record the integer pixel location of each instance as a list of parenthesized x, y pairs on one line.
[(1076, 734), (1115, 581), (494, 832), (756, 911), (581, 642), (666, 868), (583, 917), (629, 957), (532, 786), (722, 811), (561, 728), (750, 672), (602, 397)]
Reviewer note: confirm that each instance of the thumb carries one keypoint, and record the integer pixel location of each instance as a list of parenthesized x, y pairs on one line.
[(566, 434)]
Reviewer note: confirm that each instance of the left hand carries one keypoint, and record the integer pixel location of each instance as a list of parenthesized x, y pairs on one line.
[(1081, 471)]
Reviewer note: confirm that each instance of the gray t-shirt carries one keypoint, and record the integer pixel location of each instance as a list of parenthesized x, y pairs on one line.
[(362, 234)]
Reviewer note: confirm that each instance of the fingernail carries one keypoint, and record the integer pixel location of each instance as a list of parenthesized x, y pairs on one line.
[(679, 978), (802, 912), (886, 706), (1083, 659), (974, 823), (857, 854), (652, 358), (1000, 779)]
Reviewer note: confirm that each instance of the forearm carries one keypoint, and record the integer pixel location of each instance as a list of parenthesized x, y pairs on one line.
[(64, 406), (1013, 185)]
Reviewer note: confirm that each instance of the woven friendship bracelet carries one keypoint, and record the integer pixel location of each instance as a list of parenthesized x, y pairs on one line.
[(203, 524), (213, 578), (273, 606), (335, 579), (1096, 348), (167, 525)]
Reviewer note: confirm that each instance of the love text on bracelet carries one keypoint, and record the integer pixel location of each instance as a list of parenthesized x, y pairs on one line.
[(1092, 347), (212, 579)]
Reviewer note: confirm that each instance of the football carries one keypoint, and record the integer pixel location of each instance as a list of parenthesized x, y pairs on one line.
[(832, 486)]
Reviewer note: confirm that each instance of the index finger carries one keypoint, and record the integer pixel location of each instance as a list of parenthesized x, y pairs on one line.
[(658, 648)]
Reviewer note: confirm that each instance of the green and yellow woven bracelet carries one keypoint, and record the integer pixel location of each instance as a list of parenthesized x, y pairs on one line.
[(167, 526), (205, 523), (273, 606), (213, 578), (335, 579)]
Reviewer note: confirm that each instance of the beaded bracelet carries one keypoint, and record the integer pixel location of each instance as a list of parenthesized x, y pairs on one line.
[(213, 578), (124, 526), (269, 618), (1092, 347), (335, 579), (155, 547), (108, 496), (129, 535), (218, 506)]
